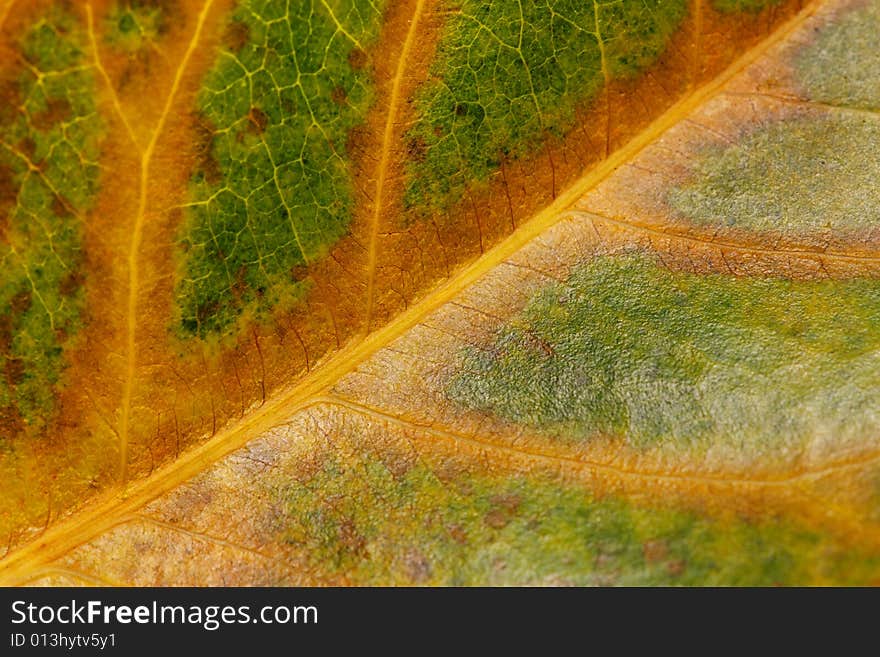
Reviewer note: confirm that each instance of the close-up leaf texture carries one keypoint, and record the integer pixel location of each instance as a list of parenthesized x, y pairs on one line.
[(440, 292)]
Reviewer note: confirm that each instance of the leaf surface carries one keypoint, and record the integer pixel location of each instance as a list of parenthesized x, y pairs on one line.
[(423, 293)]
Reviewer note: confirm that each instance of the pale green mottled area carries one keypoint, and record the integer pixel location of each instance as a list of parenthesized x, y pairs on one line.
[(840, 64), (384, 524), (811, 174), (49, 132), (274, 191), (508, 74), (628, 348)]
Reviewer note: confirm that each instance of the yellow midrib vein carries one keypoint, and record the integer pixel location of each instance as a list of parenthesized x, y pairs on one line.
[(103, 512), (384, 158), (135, 246)]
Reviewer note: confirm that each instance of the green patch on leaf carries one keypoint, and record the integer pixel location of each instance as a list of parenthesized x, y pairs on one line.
[(508, 74), (805, 175), (135, 25), (628, 348), (377, 523), (48, 178), (839, 65), (273, 191)]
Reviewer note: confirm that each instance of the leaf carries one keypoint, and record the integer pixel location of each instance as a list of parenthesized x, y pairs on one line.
[(416, 292)]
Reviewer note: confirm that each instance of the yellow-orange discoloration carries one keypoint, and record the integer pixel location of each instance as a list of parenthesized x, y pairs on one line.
[(152, 398)]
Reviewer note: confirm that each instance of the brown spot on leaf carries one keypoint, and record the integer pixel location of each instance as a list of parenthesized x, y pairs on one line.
[(8, 192), (497, 518), (299, 272), (457, 533), (350, 538), (57, 110), (535, 342), (21, 302), (207, 310), (5, 332), (204, 149), (504, 508), (417, 149), (28, 147), (450, 471), (61, 207), (10, 99), (356, 140), (655, 551), (309, 466), (240, 286), (338, 95), (71, 282), (236, 36), (398, 463), (507, 501), (258, 119), (676, 567), (358, 59), (15, 370), (11, 422)]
